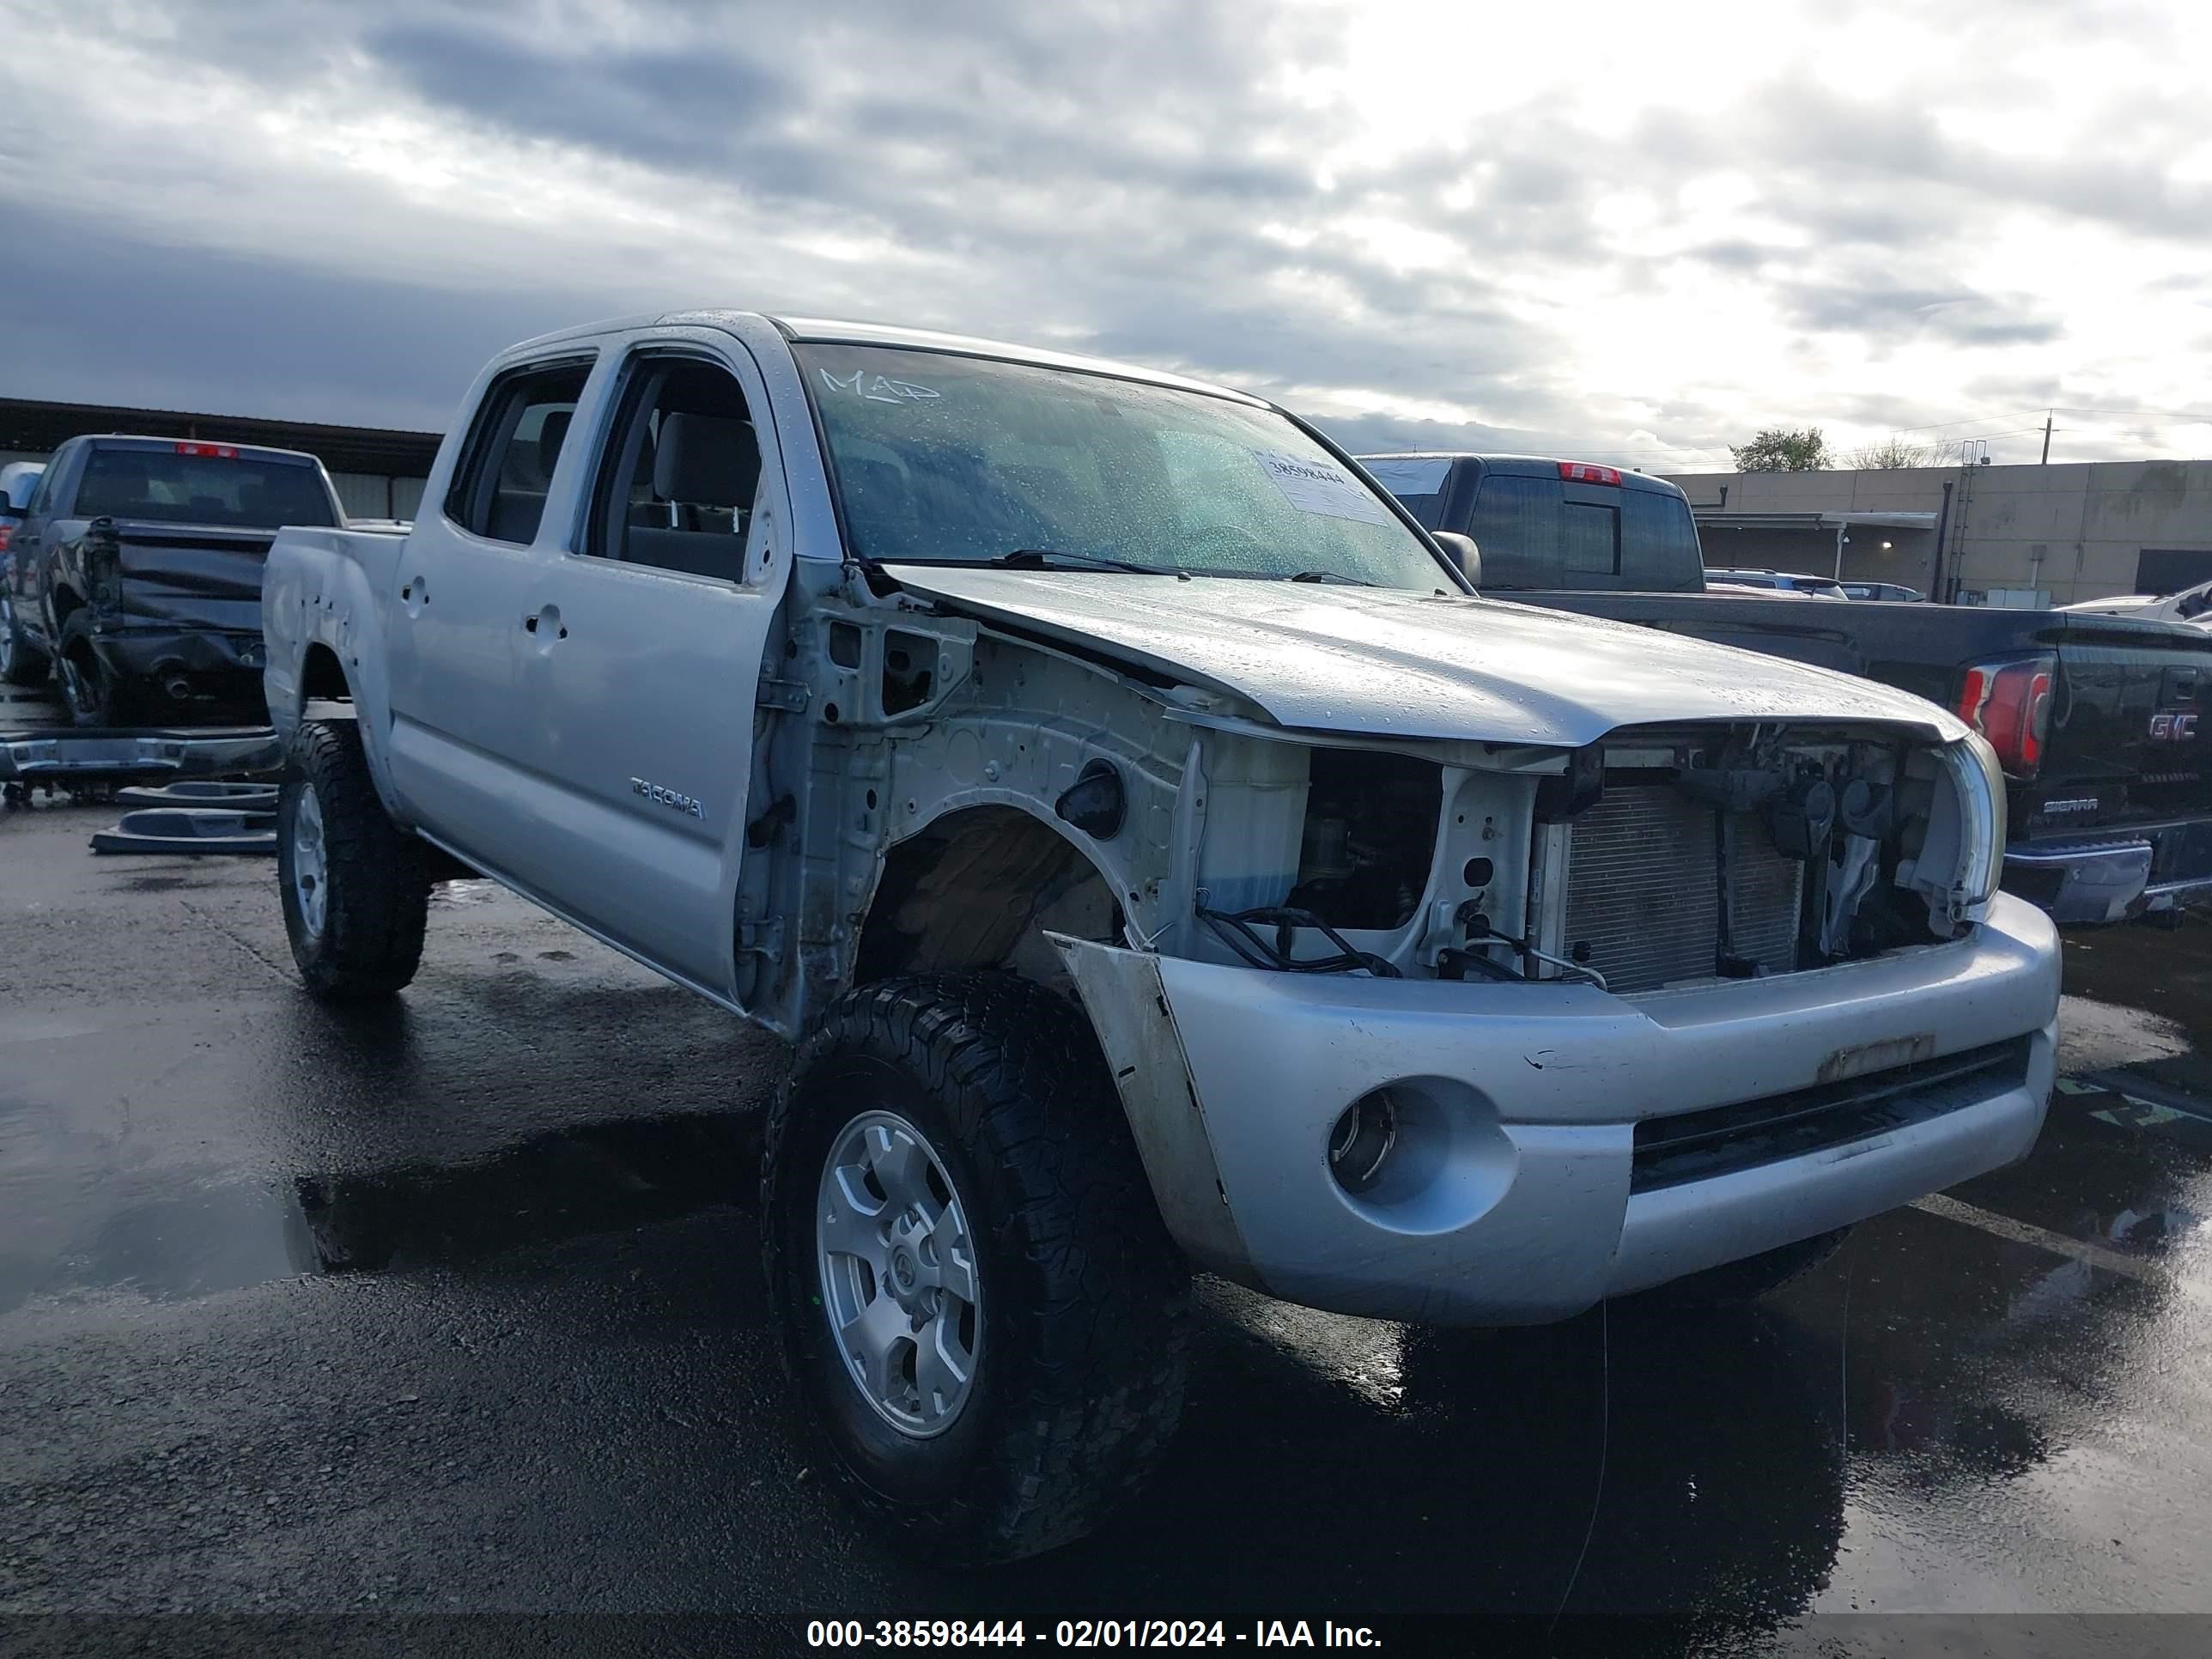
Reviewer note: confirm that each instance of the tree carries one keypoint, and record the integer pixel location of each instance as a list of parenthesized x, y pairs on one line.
[(1889, 454), (1782, 449)]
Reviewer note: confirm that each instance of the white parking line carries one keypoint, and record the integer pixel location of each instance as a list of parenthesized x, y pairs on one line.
[(2023, 1232)]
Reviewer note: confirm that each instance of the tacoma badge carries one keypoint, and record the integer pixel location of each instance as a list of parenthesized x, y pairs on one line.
[(653, 791)]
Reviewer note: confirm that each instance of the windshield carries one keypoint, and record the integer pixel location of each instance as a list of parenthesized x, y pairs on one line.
[(172, 487), (946, 459)]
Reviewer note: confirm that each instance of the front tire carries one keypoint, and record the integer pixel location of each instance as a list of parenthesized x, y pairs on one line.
[(979, 1301), (354, 886)]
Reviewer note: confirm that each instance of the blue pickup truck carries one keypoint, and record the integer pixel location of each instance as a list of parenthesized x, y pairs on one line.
[(2094, 717)]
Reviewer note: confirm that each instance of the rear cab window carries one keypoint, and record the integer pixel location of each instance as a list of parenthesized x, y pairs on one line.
[(201, 484), (520, 428), (1538, 528)]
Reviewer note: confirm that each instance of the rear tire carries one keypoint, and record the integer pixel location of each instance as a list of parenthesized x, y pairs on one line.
[(21, 662), (996, 1129), (354, 886), (1734, 1283), (91, 692)]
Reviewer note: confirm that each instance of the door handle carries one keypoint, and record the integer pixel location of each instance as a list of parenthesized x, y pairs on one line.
[(550, 616)]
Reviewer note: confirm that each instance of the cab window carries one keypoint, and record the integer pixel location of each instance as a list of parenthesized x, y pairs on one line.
[(499, 492), (676, 484)]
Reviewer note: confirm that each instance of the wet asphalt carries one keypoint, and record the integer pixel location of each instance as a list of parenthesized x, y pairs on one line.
[(455, 1306)]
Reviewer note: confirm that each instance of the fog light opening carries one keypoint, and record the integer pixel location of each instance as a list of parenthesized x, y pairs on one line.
[(1362, 1140)]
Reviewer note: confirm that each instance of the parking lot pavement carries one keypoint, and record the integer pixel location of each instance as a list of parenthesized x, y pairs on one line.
[(455, 1306)]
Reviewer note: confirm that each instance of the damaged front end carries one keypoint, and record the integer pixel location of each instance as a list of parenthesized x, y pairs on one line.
[(1656, 857), (1501, 990)]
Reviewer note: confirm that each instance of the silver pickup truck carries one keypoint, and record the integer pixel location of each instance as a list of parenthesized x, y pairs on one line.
[(1162, 862)]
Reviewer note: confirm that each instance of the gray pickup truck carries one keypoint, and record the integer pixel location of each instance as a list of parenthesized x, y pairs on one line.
[(1164, 862)]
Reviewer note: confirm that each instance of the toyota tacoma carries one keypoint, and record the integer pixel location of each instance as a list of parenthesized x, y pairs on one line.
[(1164, 862)]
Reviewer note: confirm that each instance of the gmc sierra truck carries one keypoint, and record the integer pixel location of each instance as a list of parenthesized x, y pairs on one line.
[(2094, 717), (1162, 862), (136, 575)]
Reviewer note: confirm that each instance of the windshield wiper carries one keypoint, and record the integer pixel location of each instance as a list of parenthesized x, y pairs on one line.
[(1047, 558), (1331, 576)]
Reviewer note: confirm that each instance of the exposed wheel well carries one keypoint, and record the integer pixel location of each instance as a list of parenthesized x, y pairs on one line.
[(977, 888), (322, 677)]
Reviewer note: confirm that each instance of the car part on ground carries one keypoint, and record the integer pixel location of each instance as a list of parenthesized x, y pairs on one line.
[(244, 797), (191, 831), (71, 755)]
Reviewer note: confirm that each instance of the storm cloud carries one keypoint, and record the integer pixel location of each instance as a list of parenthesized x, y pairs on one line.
[(1419, 226)]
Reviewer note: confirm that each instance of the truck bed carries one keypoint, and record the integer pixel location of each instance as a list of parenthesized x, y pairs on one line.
[(2110, 767)]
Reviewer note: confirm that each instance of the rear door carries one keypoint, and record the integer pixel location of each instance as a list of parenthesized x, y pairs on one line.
[(465, 581), (642, 633)]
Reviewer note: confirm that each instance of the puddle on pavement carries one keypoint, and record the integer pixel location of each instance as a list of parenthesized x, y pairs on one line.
[(108, 1229), (2167, 974)]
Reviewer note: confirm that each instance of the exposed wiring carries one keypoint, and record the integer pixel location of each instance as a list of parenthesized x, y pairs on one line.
[(1843, 1372), (1237, 931), (1604, 1456), (1566, 965)]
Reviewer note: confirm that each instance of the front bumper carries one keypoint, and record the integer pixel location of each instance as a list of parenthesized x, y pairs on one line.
[(1515, 1198)]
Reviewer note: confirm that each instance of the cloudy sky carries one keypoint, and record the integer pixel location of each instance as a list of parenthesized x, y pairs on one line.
[(1626, 233)]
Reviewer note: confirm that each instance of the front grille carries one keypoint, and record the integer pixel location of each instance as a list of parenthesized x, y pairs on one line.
[(1698, 1145), (1644, 891)]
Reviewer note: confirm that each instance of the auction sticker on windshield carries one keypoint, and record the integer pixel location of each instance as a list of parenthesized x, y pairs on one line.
[(1318, 487)]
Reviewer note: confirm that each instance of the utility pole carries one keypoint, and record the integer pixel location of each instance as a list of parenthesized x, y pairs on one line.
[(2047, 414)]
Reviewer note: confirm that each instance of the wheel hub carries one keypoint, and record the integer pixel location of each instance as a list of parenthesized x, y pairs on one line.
[(899, 1282), (310, 882)]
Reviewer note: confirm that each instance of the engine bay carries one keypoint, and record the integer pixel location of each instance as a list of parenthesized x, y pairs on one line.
[(1650, 859)]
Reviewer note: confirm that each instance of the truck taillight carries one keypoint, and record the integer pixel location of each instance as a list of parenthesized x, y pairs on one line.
[(2009, 704), (214, 452), (7, 535), (1585, 472)]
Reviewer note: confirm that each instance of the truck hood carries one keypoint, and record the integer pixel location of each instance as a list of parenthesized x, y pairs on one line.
[(1398, 664)]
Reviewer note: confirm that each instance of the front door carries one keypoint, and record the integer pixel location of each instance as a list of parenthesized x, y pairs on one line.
[(641, 658)]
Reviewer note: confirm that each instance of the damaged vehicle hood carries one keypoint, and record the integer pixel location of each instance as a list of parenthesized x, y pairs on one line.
[(1400, 664)]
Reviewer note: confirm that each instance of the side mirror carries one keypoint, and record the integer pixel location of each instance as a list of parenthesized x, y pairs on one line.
[(1463, 549)]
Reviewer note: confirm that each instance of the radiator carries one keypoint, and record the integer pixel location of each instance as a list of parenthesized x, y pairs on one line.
[(1644, 891)]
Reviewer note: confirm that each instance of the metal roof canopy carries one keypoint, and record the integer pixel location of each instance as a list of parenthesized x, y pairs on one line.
[(1722, 520), (1839, 523), (29, 423)]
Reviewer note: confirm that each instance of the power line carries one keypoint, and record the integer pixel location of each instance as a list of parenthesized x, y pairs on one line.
[(1968, 420), (2196, 419)]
